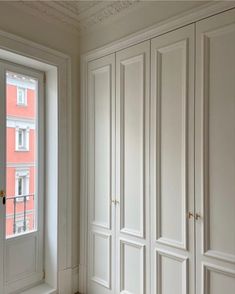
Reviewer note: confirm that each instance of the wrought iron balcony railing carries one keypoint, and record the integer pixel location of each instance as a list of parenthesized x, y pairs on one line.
[(20, 208)]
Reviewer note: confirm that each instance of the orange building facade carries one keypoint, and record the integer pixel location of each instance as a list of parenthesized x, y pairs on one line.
[(20, 169)]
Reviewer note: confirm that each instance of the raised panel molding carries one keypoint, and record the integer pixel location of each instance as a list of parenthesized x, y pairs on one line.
[(214, 154), (94, 275), (95, 123), (19, 266), (138, 60), (206, 39), (207, 286), (159, 54), (182, 260), (124, 244), (101, 171)]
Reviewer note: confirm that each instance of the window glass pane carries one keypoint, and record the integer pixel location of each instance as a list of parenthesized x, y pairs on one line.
[(20, 186), (20, 138), (21, 167)]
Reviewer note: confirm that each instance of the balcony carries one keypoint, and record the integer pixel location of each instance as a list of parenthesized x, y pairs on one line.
[(20, 214)]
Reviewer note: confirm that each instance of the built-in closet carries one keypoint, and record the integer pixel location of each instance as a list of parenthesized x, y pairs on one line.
[(161, 164)]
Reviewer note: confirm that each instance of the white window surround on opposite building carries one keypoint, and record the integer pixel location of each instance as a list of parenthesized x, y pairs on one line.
[(21, 96), (22, 138)]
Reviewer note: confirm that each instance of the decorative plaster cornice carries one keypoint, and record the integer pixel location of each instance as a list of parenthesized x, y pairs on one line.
[(78, 16)]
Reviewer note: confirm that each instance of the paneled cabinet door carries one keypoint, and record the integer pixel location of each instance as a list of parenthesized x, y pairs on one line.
[(132, 173), (215, 154), (101, 173), (172, 162)]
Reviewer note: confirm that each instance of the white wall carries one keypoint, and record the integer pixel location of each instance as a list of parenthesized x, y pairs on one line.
[(146, 14), (17, 22)]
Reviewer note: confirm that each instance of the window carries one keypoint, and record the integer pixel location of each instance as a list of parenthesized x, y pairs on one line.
[(22, 185), (22, 139), (21, 96), (21, 181), (20, 226)]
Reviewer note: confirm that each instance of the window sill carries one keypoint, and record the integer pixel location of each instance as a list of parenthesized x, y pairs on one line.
[(40, 289), (22, 150), (22, 105)]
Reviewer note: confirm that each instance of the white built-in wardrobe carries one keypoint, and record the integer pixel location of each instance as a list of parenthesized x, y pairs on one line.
[(161, 164)]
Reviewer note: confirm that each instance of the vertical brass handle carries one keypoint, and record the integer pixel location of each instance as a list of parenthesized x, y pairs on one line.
[(190, 215), (2, 193), (197, 216), (3, 196), (114, 201)]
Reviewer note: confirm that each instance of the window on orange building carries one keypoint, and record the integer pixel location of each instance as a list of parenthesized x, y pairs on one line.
[(22, 139), (21, 96), (21, 226), (22, 185)]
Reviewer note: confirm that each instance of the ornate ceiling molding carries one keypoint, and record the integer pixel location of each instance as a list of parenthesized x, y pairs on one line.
[(78, 16)]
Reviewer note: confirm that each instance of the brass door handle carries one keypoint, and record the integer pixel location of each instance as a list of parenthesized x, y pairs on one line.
[(3, 196), (190, 215), (197, 216), (2, 193), (114, 201)]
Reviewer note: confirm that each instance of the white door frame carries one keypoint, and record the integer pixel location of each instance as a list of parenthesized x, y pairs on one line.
[(184, 19), (46, 59), (9, 284), (2, 177)]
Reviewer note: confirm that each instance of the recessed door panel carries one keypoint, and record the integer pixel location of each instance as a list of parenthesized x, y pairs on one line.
[(215, 152), (132, 169), (171, 274), (218, 280), (219, 164), (101, 253), (172, 145), (132, 271), (101, 176), (19, 265), (172, 161), (132, 146), (101, 87)]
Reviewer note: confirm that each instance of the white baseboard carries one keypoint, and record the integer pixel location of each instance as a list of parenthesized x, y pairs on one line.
[(75, 279), (65, 281), (69, 281), (82, 279)]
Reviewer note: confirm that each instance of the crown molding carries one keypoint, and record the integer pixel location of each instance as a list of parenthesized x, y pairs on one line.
[(77, 16), (191, 16)]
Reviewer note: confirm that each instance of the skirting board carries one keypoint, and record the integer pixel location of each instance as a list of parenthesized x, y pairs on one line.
[(82, 281), (75, 280), (68, 281)]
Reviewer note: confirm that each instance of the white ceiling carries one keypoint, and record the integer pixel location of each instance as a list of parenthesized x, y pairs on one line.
[(77, 15)]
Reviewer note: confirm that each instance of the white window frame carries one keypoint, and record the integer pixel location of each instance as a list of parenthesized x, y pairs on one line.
[(38, 232), (24, 91), (25, 175), (26, 132)]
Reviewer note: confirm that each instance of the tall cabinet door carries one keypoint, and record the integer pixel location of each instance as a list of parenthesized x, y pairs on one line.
[(101, 175), (132, 172), (215, 154), (172, 162)]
